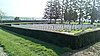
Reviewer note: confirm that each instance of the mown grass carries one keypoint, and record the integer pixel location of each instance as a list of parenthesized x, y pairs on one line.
[(76, 22), (77, 31), (17, 45)]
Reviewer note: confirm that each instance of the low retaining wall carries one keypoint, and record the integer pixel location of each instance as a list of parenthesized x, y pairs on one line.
[(59, 39)]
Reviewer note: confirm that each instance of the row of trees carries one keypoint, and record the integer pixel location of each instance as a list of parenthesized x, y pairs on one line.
[(71, 10)]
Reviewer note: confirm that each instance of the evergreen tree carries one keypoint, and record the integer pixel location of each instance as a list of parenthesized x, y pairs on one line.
[(94, 12), (81, 9), (98, 14), (56, 10), (48, 11), (88, 9), (53, 10), (70, 11)]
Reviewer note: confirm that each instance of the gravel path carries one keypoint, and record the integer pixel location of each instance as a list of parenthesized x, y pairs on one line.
[(2, 53), (93, 50)]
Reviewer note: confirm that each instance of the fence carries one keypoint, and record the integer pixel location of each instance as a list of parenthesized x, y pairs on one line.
[(55, 27)]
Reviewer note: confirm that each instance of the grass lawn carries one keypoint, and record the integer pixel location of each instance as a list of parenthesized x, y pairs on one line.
[(17, 45)]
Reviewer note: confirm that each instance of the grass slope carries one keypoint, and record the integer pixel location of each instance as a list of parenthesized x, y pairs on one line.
[(18, 46)]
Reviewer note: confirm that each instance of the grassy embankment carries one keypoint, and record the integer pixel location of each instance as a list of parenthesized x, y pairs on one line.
[(17, 45)]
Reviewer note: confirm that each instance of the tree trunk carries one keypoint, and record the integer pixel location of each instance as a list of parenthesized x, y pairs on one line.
[(62, 12), (62, 21), (79, 21), (69, 21), (50, 21), (55, 21), (92, 21)]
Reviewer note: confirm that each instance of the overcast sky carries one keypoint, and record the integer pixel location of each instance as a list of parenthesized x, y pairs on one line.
[(25, 8)]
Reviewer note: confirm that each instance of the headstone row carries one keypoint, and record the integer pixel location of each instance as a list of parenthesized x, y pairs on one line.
[(55, 27)]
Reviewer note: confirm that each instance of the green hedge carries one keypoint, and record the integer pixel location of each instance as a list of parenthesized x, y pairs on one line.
[(88, 38), (59, 39)]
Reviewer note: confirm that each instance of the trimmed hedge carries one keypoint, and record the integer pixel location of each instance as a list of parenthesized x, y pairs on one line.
[(88, 38), (59, 39)]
